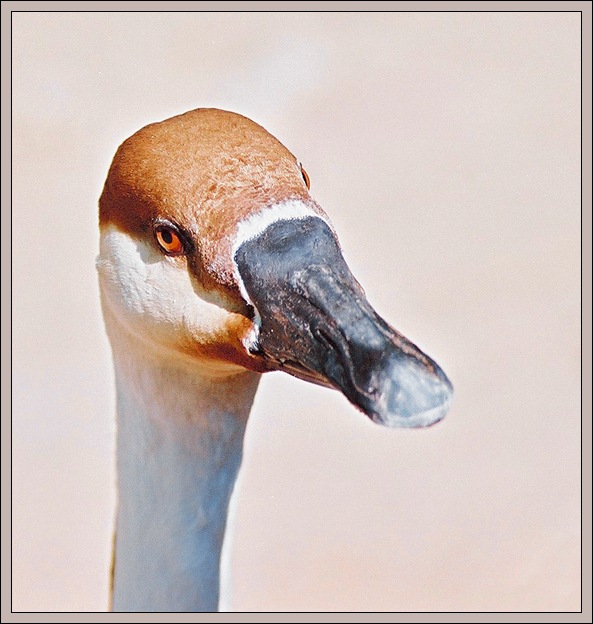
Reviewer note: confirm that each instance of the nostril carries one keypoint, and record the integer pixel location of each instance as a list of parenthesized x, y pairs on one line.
[(324, 338)]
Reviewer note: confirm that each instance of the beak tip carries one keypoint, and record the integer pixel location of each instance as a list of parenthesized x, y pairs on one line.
[(417, 406), (416, 420)]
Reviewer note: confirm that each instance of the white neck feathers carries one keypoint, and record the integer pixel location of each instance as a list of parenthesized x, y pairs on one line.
[(180, 440)]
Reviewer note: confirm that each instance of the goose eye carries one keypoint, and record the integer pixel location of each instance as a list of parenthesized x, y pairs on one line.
[(305, 177), (169, 241)]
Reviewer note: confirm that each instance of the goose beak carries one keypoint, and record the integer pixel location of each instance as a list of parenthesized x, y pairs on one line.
[(316, 324)]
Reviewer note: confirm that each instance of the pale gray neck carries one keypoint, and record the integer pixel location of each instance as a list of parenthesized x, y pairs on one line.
[(179, 448)]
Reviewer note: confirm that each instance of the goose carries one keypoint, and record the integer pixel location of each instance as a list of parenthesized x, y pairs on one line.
[(215, 266)]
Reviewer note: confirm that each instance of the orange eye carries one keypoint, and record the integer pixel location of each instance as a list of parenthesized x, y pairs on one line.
[(169, 241), (305, 177)]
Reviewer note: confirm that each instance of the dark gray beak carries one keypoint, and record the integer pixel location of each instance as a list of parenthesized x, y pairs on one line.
[(316, 323)]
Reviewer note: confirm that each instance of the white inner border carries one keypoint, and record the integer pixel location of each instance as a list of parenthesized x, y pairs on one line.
[(254, 225)]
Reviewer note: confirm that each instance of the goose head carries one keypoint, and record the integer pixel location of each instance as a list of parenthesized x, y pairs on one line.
[(214, 253)]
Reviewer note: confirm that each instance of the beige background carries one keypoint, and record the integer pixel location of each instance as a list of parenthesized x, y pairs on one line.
[(445, 147)]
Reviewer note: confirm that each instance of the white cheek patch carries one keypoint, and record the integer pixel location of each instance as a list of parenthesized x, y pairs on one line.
[(153, 295), (254, 225)]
